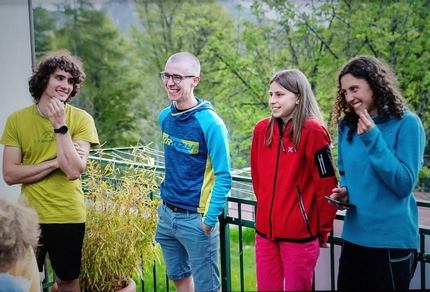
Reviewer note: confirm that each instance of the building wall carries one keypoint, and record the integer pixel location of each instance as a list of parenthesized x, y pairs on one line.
[(16, 63)]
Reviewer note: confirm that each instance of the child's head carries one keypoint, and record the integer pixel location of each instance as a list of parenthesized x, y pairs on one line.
[(19, 229), (48, 64)]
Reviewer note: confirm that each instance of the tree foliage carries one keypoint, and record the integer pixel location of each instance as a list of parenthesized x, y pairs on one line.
[(238, 56), (113, 73), (168, 27)]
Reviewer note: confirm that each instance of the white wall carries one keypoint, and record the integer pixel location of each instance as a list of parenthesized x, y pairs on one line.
[(15, 60)]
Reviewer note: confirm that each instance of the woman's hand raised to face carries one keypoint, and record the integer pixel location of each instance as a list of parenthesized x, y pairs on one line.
[(365, 123)]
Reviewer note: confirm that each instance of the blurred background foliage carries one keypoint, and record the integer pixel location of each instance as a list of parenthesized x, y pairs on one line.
[(125, 44)]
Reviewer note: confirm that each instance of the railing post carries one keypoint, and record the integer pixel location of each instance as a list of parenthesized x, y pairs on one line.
[(332, 265), (422, 261), (225, 251)]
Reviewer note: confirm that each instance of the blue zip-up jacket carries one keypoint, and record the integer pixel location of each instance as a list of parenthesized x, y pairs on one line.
[(196, 154), (380, 169)]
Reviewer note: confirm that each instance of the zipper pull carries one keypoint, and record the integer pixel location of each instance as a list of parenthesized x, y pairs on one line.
[(283, 146)]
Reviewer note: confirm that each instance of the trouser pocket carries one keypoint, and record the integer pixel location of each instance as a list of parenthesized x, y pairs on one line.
[(402, 263)]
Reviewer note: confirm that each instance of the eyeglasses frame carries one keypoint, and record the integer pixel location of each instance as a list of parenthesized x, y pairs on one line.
[(163, 77)]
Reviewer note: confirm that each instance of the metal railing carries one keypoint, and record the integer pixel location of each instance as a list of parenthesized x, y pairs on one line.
[(335, 241), (243, 216), (227, 221)]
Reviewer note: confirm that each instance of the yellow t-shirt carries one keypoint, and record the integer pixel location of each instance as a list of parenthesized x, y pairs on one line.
[(55, 198)]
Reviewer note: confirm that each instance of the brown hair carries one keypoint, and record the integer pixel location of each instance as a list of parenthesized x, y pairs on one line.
[(381, 80), (296, 82), (47, 66)]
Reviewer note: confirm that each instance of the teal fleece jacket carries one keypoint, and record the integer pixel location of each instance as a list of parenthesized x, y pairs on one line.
[(380, 169)]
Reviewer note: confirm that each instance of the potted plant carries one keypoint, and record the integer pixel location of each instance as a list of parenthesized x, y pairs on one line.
[(121, 221)]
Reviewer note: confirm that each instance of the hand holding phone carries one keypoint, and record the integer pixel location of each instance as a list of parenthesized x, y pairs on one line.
[(349, 205)]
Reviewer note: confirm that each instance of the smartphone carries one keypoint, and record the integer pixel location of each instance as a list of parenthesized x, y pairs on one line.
[(339, 202)]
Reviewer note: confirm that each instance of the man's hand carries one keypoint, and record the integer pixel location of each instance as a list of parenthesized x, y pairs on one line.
[(79, 149), (206, 228), (56, 112)]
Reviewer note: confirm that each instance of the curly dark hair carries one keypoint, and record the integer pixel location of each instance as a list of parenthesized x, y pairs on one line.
[(383, 83), (50, 62)]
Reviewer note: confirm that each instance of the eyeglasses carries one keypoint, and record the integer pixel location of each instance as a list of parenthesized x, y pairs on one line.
[(175, 77)]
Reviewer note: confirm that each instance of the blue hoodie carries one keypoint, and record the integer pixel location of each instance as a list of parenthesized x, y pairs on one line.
[(197, 176), (380, 169)]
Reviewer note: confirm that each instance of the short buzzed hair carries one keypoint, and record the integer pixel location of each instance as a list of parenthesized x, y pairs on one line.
[(190, 59)]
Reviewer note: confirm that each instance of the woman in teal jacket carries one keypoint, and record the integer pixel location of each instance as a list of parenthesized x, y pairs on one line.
[(380, 152)]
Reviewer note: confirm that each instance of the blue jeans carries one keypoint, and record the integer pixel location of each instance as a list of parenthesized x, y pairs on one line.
[(187, 249)]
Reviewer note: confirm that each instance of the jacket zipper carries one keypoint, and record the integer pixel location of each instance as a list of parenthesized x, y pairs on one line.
[(302, 209), (281, 144)]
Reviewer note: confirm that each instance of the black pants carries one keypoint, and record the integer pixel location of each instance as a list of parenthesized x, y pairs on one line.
[(375, 269), (63, 243)]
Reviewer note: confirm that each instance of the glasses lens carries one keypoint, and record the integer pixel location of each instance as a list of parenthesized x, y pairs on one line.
[(177, 78)]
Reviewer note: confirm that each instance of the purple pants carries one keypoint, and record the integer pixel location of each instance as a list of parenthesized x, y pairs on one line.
[(285, 266)]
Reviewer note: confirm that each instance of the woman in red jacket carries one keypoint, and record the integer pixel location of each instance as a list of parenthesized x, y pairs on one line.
[(292, 170)]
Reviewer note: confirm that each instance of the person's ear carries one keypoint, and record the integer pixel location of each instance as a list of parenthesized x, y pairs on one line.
[(196, 81)]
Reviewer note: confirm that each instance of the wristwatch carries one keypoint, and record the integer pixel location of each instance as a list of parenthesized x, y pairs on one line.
[(62, 130)]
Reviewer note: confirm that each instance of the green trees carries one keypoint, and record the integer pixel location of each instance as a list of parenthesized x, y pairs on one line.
[(112, 87), (323, 37), (167, 27), (238, 56)]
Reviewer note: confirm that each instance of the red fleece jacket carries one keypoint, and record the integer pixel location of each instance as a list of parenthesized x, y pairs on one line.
[(290, 186)]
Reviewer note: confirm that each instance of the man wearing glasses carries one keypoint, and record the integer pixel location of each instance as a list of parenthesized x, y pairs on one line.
[(197, 179)]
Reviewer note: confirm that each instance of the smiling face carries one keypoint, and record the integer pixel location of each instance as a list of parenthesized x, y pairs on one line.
[(60, 85), (358, 94), (181, 93), (282, 102)]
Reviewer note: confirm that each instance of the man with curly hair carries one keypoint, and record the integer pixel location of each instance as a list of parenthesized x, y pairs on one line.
[(46, 149)]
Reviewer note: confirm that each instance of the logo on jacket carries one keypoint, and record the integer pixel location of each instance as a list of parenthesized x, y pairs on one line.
[(324, 162), (181, 145)]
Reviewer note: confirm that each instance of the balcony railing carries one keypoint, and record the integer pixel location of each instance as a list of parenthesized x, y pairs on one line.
[(239, 213), (326, 272)]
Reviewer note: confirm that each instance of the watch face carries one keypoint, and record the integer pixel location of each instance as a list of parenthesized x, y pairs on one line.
[(63, 129)]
